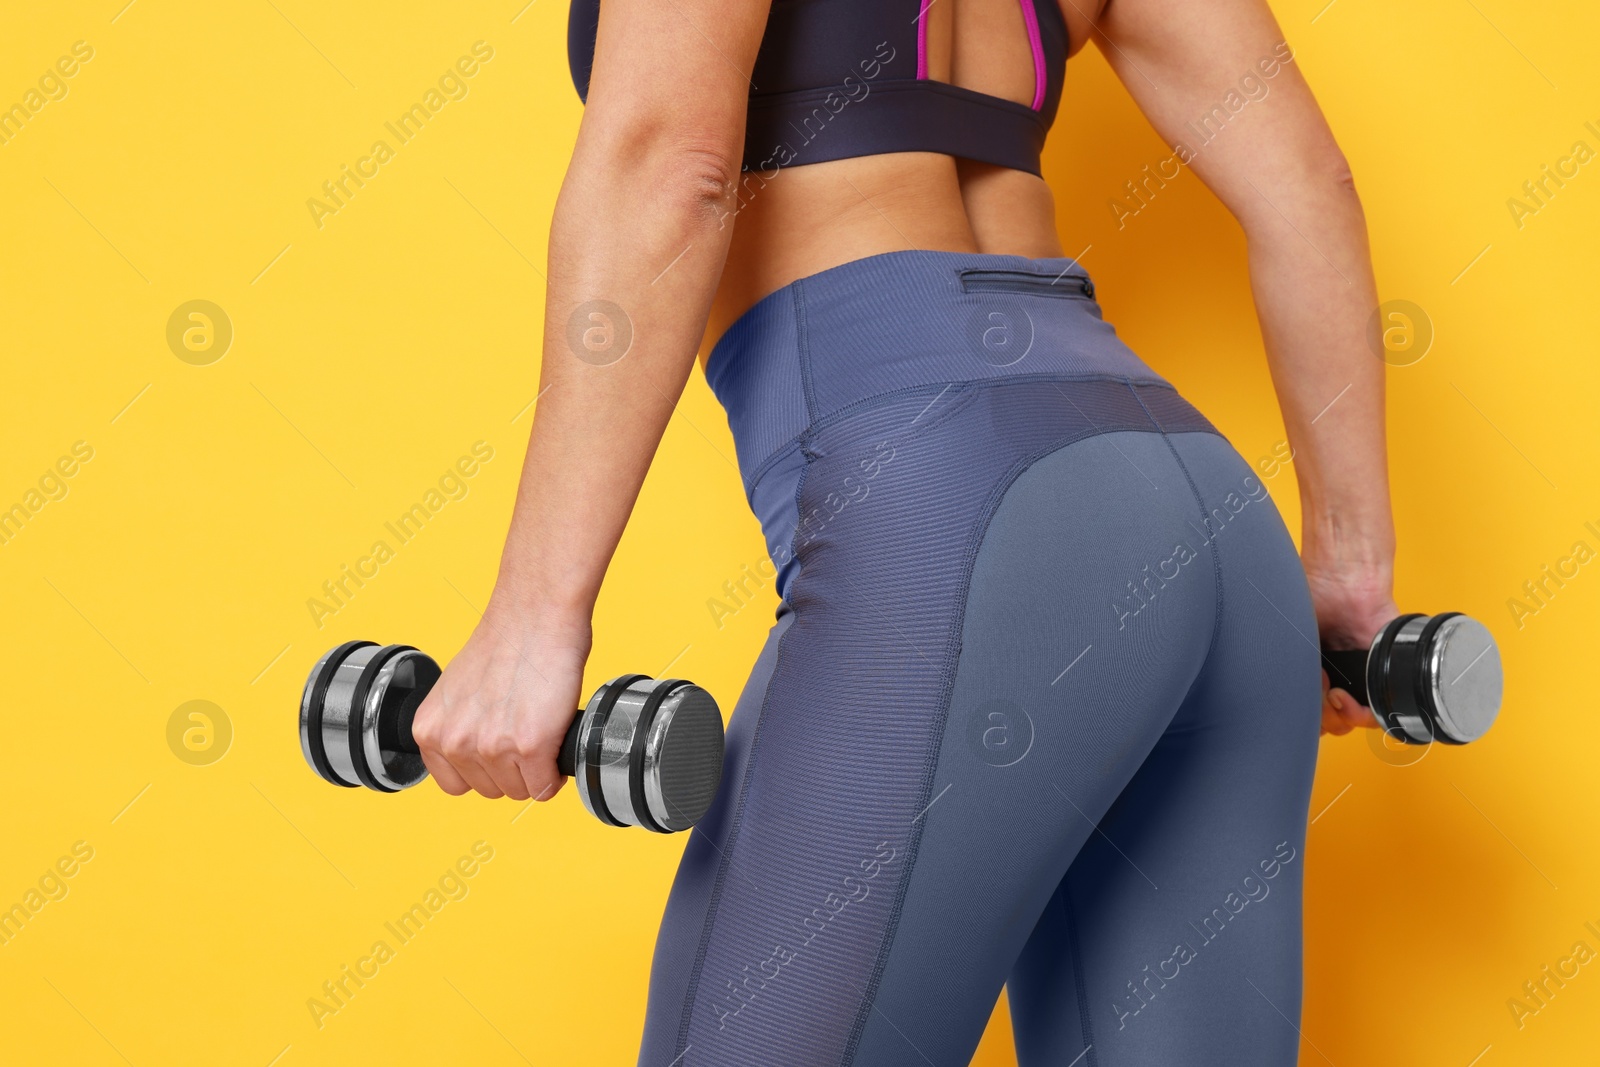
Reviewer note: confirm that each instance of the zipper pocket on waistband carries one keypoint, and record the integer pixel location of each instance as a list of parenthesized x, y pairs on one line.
[(1026, 283)]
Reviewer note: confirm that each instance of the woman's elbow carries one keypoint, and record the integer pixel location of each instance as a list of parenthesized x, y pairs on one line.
[(1334, 169), (688, 168)]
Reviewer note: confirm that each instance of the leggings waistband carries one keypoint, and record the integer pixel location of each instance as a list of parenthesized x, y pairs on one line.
[(893, 322)]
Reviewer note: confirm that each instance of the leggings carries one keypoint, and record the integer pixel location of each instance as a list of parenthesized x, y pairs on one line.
[(1039, 710)]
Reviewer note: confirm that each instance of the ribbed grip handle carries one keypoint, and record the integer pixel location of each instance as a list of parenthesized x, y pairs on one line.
[(1347, 670), (394, 727), (567, 758), (394, 731)]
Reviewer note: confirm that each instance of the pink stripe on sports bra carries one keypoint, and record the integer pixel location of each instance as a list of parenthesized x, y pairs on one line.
[(922, 40), (1030, 18)]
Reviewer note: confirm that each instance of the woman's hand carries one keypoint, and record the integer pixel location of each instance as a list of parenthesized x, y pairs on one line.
[(495, 720), (1352, 604)]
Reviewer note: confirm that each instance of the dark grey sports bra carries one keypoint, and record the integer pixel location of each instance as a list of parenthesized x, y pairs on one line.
[(835, 79)]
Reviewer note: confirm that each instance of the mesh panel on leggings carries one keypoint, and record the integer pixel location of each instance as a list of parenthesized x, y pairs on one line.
[(893, 504)]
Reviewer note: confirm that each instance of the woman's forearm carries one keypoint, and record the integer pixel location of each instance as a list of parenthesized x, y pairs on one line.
[(1272, 160), (1312, 277), (636, 246)]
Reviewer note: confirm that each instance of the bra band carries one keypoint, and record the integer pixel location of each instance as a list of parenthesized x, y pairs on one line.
[(837, 79)]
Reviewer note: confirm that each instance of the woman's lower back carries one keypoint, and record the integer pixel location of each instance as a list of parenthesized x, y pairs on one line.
[(794, 223)]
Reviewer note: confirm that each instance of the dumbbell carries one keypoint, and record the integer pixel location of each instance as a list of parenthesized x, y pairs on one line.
[(1426, 677), (643, 752)]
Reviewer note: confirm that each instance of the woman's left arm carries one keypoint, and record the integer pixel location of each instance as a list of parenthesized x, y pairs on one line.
[(1219, 83), (637, 246)]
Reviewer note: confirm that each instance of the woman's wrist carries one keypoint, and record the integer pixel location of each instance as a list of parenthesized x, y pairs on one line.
[(530, 613), (1371, 565), (1352, 589), (1349, 564), (1347, 541)]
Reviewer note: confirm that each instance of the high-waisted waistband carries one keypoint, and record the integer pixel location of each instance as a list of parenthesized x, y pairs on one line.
[(872, 353), (893, 322)]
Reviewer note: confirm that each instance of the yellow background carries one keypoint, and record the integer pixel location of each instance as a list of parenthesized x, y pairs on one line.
[(370, 353)]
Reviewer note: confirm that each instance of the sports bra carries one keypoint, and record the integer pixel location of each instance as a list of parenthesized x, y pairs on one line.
[(835, 79)]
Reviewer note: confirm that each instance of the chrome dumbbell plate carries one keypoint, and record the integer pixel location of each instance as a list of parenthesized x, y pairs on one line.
[(1435, 678), (649, 753), (352, 694)]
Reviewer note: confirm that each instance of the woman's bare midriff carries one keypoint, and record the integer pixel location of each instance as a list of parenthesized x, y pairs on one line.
[(798, 221)]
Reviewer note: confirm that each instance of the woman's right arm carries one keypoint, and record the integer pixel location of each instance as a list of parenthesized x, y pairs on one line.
[(637, 246), (1219, 79)]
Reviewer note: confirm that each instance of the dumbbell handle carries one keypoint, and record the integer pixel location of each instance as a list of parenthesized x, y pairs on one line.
[(1347, 670), (394, 732)]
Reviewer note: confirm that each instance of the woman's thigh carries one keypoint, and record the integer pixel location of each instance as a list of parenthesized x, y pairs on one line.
[(981, 653)]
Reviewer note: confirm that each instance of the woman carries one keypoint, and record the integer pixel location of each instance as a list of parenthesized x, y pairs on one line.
[(1040, 706)]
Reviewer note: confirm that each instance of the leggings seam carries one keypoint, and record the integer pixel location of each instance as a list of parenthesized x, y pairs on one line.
[(803, 351), (817, 423), (958, 403), (1075, 954), (1040, 377), (1211, 535), (799, 523), (941, 723)]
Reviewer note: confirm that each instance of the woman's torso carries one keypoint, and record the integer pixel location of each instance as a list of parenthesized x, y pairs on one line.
[(793, 217), (805, 219)]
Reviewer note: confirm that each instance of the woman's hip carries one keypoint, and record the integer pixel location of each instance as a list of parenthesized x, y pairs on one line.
[(940, 374), (824, 347)]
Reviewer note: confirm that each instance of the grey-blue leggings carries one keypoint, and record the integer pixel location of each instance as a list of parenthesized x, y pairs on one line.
[(1040, 708)]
